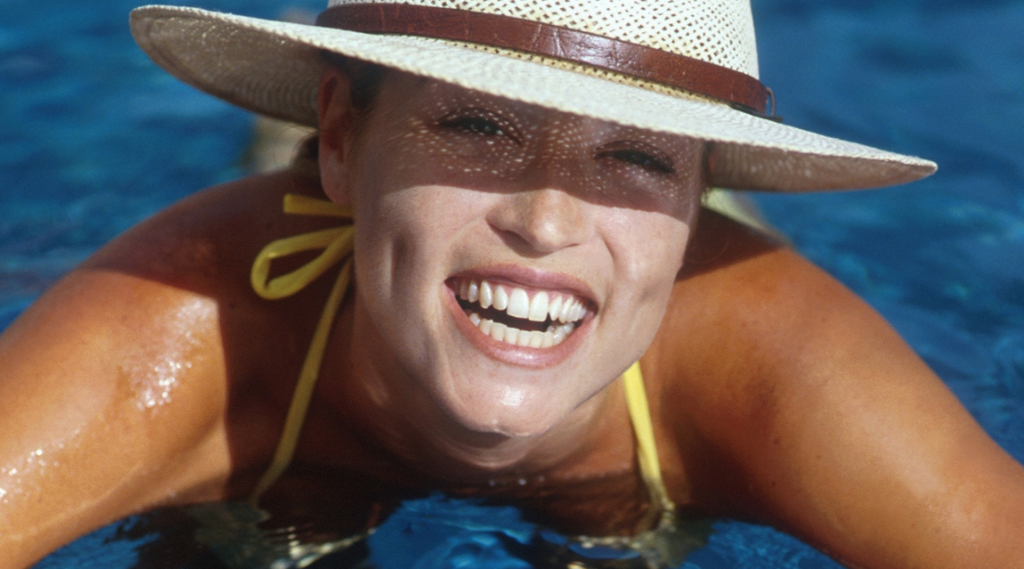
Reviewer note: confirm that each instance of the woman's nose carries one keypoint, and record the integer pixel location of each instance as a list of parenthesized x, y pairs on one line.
[(547, 219)]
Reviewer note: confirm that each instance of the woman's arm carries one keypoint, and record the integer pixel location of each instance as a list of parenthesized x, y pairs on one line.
[(821, 420), (112, 399), (116, 386)]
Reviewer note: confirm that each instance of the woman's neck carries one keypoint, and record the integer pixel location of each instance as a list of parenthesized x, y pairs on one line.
[(367, 387)]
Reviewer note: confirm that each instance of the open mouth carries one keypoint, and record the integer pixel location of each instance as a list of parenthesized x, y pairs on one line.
[(520, 317)]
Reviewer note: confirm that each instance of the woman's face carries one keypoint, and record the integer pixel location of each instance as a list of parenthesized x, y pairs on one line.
[(514, 260)]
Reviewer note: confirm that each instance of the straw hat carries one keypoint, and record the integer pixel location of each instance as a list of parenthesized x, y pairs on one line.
[(686, 67)]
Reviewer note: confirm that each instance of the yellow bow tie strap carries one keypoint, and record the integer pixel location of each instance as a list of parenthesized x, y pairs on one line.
[(337, 245)]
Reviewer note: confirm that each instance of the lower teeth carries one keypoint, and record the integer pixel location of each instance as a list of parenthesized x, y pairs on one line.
[(523, 338)]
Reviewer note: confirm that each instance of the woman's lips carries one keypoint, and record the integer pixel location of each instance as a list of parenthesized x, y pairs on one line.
[(525, 324), (518, 316)]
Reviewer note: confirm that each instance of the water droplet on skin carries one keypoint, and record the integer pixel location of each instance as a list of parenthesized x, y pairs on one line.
[(155, 383)]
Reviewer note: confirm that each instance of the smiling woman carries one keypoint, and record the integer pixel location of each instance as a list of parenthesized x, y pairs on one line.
[(451, 186), (520, 204)]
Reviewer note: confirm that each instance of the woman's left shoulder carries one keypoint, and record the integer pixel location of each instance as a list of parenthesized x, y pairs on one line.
[(794, 402), (746, 305)]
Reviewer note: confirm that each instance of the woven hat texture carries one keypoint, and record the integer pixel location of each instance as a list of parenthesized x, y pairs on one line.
[(273, 68)]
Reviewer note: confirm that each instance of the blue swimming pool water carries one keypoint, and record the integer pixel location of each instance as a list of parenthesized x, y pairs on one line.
[(93, 138)]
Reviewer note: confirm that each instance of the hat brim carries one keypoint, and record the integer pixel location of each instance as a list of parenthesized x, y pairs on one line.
[(273, 68)]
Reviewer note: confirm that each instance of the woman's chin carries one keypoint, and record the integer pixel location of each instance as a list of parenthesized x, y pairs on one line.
[(508, 414)]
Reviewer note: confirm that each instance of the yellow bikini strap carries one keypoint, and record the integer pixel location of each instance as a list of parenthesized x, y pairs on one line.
[(336, 244), (643, 430)]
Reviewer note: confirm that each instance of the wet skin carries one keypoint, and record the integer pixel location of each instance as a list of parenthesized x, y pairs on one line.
[(152, 375)]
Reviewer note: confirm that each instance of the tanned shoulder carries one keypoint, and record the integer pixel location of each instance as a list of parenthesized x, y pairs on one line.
[(793, 402), (117, 381)]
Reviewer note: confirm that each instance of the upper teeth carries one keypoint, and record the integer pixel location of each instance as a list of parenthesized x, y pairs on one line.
[(516, 302)]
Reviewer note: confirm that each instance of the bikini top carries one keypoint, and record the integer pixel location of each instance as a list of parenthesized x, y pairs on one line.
[(336, 246)]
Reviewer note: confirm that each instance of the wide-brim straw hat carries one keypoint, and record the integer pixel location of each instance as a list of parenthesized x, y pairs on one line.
[(685, 67)]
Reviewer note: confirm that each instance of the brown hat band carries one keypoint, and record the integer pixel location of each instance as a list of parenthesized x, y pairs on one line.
[(739, 89)]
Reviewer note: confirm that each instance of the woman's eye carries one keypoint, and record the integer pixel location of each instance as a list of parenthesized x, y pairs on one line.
[(474, 124), (649, 159), (477, 121)]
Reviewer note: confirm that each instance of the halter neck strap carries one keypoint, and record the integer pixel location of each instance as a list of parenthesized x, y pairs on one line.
[(337, 247)]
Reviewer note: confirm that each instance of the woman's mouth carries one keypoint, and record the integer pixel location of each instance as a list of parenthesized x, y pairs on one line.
[(518, 316)]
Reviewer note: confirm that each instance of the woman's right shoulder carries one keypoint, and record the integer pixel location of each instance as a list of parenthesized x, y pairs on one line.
[(136, 370), (193, 261), (206, 237), (122, 372)]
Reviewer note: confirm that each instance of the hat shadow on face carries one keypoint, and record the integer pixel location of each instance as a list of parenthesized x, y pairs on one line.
[(433, 133)]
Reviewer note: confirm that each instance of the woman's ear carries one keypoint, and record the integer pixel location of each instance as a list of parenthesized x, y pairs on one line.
[(337, 131)]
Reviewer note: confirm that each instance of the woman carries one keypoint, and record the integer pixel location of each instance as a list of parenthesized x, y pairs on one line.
[(524, 188)]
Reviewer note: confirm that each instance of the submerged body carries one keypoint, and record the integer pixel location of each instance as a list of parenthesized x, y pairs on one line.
[(777, 395)]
